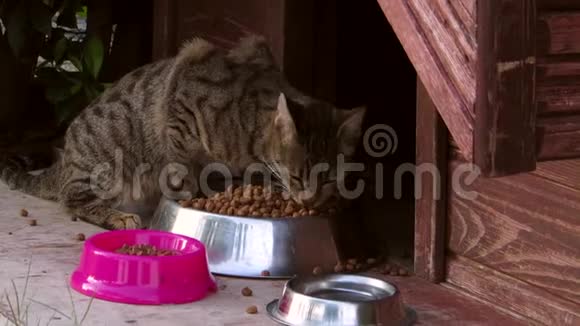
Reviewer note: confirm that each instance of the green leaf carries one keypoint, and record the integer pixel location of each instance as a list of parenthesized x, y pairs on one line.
[(76, 62), (48, 49), (73, 77), (74, 54), (43, 64), (82, 13), (60, 50), (91, 91), (59, 85), (93, 56), (47, 75), (58, 94), (40, 16)]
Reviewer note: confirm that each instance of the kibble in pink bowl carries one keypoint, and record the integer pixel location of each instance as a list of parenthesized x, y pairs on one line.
[(140, 278)]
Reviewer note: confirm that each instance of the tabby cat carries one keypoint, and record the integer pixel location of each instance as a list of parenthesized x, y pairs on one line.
[(205, 105)]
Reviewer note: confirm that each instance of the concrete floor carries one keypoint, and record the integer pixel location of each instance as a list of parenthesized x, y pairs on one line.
[(52, 251)]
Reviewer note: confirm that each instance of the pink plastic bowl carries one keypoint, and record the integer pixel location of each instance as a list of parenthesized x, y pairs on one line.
[(148, 280)]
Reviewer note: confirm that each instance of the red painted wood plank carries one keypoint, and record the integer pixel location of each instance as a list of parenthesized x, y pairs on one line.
[(440, 306), (421, 47), (558, 137), (525, 226), (558, 33), (430, 207), (511, 293)]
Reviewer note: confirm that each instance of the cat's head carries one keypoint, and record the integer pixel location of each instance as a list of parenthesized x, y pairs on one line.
[(306, 140)]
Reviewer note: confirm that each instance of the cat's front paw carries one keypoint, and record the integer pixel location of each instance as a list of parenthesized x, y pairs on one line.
[(184, 190), (124, 222)]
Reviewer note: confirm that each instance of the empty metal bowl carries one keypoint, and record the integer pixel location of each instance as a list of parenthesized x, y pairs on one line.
[(340, 300), (245, 246)]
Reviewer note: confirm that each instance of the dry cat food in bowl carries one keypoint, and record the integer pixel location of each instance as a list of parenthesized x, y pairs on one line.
[(265, 246), (143, 267), (254, 201), (145, 250)]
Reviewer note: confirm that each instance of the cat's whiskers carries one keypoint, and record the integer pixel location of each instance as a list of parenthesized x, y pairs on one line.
[(283, 178), (279, 182), (272, 169)]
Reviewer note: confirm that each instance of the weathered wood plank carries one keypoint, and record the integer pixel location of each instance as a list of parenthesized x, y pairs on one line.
[(440, 306), (552, 67), (504, 139), (510, 293), (558, 33), (430, 207), (455, 110), (465, 9), (453, 45), (558, 86), (558, 4), (564, 172), (525, 226), (558, 137), (469, 5)]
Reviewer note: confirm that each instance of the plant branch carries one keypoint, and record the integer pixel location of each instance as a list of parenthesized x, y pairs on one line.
[(52, 308), (85, 315), (73, 305)]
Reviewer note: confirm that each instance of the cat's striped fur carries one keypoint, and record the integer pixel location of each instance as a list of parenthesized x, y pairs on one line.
[(205, 105)]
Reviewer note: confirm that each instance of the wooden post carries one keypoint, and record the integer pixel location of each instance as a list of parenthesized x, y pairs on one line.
[(165, 28), (430, 213), (505, 109)]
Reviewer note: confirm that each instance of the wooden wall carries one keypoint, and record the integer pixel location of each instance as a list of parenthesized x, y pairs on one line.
[(287, 25), (558, 74), (517, 243), (489, 66), (556, 81)]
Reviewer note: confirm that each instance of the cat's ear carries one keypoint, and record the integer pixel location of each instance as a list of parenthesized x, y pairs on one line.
[(350, 130), (284, 122)]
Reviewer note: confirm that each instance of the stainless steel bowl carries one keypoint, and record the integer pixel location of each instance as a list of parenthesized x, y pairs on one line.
[(340, 300), (244, 246)]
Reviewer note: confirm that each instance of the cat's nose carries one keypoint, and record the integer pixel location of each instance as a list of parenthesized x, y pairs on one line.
[(306, 198), (309, 202)]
